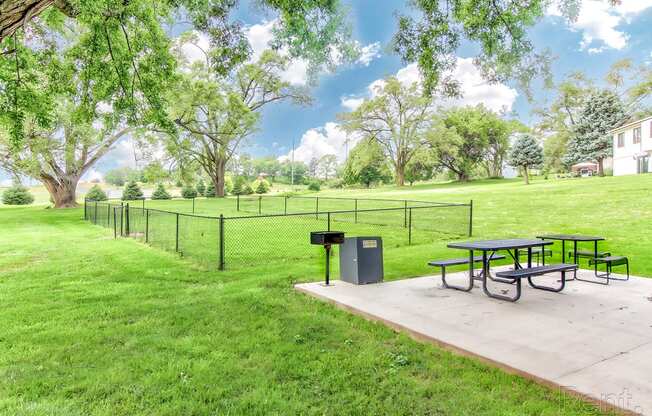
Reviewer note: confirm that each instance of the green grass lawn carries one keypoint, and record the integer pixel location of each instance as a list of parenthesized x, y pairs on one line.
[(93, 325)]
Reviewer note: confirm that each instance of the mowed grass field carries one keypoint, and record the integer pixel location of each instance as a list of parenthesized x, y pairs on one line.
[(94, 325)]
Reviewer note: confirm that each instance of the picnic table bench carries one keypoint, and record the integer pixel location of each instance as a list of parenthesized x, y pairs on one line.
[(459, 261), (530, 272)]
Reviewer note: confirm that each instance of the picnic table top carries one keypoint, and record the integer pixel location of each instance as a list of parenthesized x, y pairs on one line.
[(570, 237), (489, 245)]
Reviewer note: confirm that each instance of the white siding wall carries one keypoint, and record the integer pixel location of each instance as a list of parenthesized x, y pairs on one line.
[(624, 157)]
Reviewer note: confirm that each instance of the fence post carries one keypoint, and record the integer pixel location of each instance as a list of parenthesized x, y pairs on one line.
[(285, 210), (193, 205), (409, 226), (328, 216), (221, 242), (115, 224), (146, 226), (317, 207), (237, 202), (85, 214), (176, 236), (126, 214), (471, 218), (122, 218), (260, 202), (355, 215), (95, 218), (405, 204), (143, 203)]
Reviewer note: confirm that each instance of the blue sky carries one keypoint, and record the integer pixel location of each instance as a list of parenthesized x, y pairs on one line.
[(601, 36)]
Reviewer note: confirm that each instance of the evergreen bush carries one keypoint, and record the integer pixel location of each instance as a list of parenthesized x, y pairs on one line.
[(188, 192), (201, 188), (132, 192), (96, 194), (160, 192), (17, 195)]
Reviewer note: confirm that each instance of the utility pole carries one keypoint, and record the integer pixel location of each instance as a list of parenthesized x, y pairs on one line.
[(292, 166)]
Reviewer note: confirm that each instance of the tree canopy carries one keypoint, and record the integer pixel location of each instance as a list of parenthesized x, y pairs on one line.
[(526, 153)]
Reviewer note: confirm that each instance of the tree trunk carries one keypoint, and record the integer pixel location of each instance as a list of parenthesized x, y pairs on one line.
[(63, 191), (526, 175), (219, 181), (462, 176), (600, 167), (400, 175)]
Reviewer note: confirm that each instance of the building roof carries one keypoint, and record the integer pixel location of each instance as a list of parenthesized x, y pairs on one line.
[(585, 165), (628, 125)]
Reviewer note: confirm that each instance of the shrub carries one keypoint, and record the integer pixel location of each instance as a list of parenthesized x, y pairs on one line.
[(239, 186), (17, 195), (96, 194), (160, 192), (247, 189), (314, 186), (132, 192), (210, 190), (189, 192), (201, 188), (261, 186)]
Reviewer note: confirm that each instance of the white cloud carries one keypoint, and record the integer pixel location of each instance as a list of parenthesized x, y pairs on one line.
[(6, 183), (599, 22), (368, 53), (351, 102), (321, 141), (194, 53), (475, 90)]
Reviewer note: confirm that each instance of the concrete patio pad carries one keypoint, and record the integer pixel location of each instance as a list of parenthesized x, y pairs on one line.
[(590, 339)]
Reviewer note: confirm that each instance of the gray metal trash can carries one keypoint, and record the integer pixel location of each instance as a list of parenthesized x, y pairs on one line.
[(361, 260)]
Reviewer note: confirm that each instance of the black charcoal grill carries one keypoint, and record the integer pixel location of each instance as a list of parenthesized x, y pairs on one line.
[(327, 239)]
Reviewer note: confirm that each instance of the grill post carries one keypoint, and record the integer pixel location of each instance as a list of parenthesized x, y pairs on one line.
[(176, 238), (409, 226), (147, 226), (221, 242), (471, 218), (127, 219)]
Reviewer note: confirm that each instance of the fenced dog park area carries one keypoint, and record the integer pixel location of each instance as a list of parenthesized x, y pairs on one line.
[(235, 232)]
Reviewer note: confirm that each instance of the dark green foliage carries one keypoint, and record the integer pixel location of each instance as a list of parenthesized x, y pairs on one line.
[(314, 186), (526, 153), (201, 188), (247, 189), (261, 186), (239, 186), (366, 165), (189, 192), (17, 195), (602, 111), (132, 192), (210, 190), (96, 194), (160, 192)]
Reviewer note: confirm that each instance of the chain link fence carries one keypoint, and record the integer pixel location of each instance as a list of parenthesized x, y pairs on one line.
[(236, 241)]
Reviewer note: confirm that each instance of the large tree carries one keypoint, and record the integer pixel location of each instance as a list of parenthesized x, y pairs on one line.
[(366, 165), (81, 122), (214, 114), (460, 140), (396, 117), (602, 111), (126, 43)]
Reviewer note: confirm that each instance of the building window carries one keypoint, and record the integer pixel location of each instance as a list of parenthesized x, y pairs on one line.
[(637, 135), (621, 139)]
